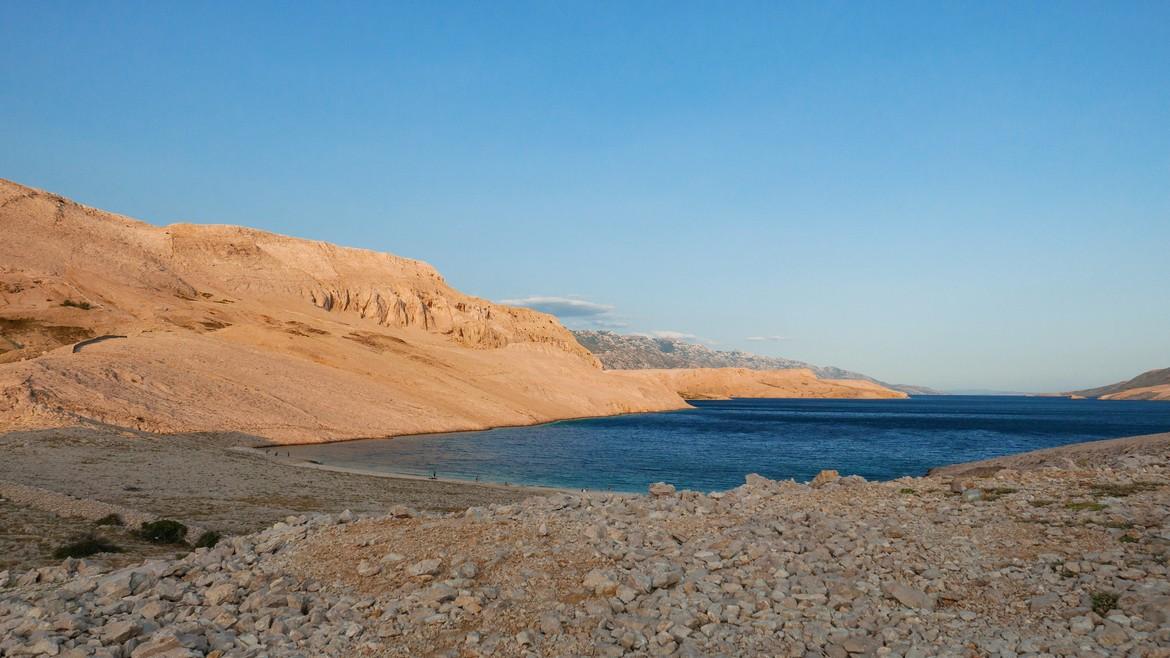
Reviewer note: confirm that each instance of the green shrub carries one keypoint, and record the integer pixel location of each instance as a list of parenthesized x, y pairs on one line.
[(85, 546), (163, 531), (208, 539), (109, 519), (85, 306), (1117, 490), (1103, 602)]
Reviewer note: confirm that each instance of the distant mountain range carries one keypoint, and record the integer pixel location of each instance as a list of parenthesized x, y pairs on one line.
[(637, 352), (1150, 385)]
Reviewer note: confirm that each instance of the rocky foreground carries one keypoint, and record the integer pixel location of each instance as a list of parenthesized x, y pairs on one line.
[(1052, 561)]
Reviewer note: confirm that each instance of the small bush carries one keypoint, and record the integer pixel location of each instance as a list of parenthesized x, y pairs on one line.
[(85, 546), (1040, 503), (163, 531), (85, 306), (1127, 539), (109, 519), (908, 491), (208, 539), (1114, 490), (1103, 602)]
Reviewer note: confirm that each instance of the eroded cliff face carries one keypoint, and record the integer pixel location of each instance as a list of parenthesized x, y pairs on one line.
[(56, 249), (230, 328)]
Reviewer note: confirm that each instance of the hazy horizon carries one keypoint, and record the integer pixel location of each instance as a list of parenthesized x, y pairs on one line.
[(964, 196)]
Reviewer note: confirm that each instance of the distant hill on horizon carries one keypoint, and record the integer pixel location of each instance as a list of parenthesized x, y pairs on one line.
[(1150, 385), (638, 352)]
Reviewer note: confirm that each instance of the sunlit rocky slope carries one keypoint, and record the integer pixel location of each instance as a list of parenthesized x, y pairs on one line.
[(228, 328), (1150, 385)]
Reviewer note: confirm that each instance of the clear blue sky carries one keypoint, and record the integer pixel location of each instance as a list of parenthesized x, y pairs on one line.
[(953, 194)]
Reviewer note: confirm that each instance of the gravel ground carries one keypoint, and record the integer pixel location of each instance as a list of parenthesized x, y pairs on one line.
[(1051, 561), (197, 479)]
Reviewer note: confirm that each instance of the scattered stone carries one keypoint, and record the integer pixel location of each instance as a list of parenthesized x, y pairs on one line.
[(425, 568)]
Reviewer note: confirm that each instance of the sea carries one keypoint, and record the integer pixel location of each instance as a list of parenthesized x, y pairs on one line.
[(713, 445)]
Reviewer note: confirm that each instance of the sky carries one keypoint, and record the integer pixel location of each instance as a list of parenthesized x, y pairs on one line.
[(952, 194)]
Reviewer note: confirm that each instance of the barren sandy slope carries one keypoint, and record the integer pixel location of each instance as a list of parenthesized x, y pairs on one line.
[(1150, 385), (227, 328), (721, 383)]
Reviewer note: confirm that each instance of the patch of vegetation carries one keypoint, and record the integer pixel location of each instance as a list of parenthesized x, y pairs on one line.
[(163, 531), (1103, 602), (1116, 490), (998, 492), (109, 519), (85, 546), (1040, 503), (908, 491), (1119, 525), (85, 306), (208, 539), (1085, 506), (1127, 539)]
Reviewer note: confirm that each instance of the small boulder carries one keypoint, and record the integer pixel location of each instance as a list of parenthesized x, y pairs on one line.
[(661, 489), (425, 568), (823, 478), (365, 569), (908, 596)]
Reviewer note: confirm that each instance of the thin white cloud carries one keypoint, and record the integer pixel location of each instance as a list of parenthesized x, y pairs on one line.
[(763, 339), (668, 334), (562, 307)]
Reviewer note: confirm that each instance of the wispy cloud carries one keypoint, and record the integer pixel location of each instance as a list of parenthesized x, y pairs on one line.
[(767, 339), (666, 333), (573, 311), (562, 307)]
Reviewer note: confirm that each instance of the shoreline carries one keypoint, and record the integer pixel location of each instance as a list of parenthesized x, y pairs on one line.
[(536, 489)]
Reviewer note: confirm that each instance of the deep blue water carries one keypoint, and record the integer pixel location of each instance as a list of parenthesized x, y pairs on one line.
[(715, 444)]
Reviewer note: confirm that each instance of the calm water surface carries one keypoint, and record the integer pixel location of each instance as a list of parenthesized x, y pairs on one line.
[(715, 444)]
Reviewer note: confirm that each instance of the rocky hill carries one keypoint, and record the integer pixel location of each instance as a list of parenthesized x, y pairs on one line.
[(633, 351), (1150, 385), (193, 328)]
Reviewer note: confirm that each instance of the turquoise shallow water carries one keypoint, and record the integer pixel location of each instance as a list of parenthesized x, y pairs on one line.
[(715, 444)]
